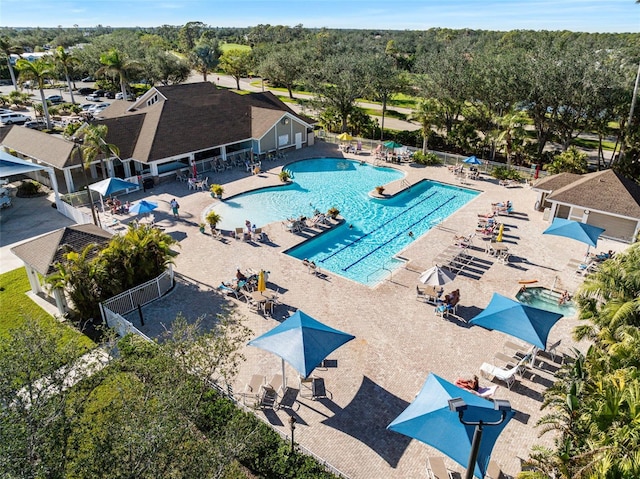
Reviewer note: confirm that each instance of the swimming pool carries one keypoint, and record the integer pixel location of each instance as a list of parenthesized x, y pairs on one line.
[(374, 231), (546, 299)]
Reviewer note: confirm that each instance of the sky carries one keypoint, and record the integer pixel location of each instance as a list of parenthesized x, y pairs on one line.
[(502, 15)]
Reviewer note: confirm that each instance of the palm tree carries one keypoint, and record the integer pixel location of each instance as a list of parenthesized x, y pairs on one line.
[(428, 114), (7, 48), (94, 145), (37, 70), (65, 60), (512, 131), (116, 63)]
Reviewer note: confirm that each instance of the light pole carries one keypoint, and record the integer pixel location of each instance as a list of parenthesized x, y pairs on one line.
[(292, 425), (458, 405), (78, 142)]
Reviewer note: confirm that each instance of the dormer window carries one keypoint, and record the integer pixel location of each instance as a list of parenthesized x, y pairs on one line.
[(152, 100)]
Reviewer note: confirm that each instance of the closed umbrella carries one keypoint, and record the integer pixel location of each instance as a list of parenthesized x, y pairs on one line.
[(518, 320), (436, 276), (301, 341), (262, 284), (143, 207), (429, 420), (500, 232)]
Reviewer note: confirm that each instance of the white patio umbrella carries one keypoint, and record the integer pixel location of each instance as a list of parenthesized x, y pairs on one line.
[(436, 276)]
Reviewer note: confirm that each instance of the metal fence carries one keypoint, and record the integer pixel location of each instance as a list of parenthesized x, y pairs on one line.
[(120, 324), (140, 295)]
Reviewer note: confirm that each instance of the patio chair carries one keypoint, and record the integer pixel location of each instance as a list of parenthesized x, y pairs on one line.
[(239, 233), (420, 295), (507, 376), (257, 235), (268, 397), (436, 468), (253, 389)]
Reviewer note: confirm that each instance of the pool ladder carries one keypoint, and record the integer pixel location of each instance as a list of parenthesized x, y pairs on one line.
[(383, 268), (406, 184)]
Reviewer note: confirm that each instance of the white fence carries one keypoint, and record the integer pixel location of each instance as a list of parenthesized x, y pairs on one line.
[(73, 213), (140, 295), (121, 325)]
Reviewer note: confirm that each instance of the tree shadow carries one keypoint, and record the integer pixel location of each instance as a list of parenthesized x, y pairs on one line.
[(366, 419)]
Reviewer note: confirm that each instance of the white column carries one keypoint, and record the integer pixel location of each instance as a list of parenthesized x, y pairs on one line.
[(34, 281), (68, 178), (61, 301), (127, 168), (54, 184)]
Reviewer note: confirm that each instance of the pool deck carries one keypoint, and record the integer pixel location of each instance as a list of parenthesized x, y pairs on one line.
[(399, 340)]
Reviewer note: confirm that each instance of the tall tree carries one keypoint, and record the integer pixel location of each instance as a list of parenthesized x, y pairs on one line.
[(283, 66), (338, 83), (384, 80), (237, 63), (116, 63), (428, 114), (7, 48), (66, 61), (38, 70), (204, 56)]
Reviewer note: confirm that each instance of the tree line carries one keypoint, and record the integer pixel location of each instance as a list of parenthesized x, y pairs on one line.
[(473, 92)]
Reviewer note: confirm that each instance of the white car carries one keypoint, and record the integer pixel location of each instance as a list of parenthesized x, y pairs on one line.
[(14, 119), (130, 96), (98, 108)]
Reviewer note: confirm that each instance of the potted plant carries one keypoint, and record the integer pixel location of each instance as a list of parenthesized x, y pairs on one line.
[(333, 212), (216, 191), (284, 176), (213, 219), (380, 189), (201, 226)]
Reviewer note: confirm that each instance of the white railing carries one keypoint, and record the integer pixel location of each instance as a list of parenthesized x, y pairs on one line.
[(140, 295), (73, 213), (120, 325)]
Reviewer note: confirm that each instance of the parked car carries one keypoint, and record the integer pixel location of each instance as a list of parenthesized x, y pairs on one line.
[(4, 111), (87, 106), (86, 91), (109, 94), (92, 97), (35, 125), (98, 108), (87, 79), (130, 96), (55, 99), (99, 92), (14, 119)]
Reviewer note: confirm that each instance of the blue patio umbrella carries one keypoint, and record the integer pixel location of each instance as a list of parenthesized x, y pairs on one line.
[(429, 419), (516, 319), (472, 160), (143, 207), (583, 232), (112, 185), (301, 341)]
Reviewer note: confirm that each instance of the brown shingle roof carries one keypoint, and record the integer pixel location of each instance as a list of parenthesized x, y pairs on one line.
[(603, 191), (555, 182), (50, 149), (194, 117), (44, 252)]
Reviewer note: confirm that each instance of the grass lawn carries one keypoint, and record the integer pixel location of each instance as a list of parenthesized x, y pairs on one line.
[(16, 305), (225, 47)]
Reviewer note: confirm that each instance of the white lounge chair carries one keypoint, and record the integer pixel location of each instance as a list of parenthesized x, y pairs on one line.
[(436, 468), (507, 376)]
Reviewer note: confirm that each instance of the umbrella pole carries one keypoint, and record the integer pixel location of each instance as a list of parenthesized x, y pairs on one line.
[(284, 379), (475, 448)]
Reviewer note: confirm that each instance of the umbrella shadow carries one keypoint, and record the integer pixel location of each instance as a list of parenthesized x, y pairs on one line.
[(366, 419), (177, 235)]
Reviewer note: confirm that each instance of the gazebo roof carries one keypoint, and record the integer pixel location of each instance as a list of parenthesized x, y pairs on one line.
[(44, 252)]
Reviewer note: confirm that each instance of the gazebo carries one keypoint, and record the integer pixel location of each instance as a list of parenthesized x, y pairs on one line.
[(41, 254)]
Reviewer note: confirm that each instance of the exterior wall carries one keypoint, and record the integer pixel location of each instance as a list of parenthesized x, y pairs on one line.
[(615, 227)]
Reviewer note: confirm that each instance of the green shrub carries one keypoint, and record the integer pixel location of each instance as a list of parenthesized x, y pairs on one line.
[(428, 159), (504, 173), (28, 188)]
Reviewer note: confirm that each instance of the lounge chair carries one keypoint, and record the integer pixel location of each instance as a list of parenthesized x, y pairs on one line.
[(421, 295), (507, 376), (253, 389), (436, 468), (257, 235), (486, 393), (239, 234), (268, 397)]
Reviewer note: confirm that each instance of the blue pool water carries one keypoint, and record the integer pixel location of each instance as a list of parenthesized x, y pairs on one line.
[(543, 298), (375, 230)]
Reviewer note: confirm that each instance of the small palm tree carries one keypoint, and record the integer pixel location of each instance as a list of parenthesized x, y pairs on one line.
[(116, 63), (428, 114), (66, 60), (37, 70), (94, 145), (511, 131), (7, 48)]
